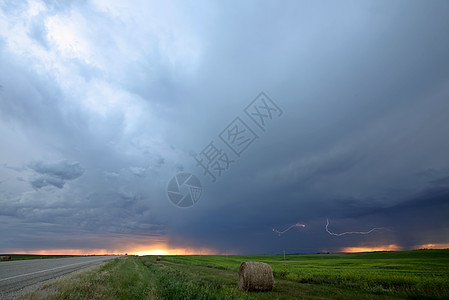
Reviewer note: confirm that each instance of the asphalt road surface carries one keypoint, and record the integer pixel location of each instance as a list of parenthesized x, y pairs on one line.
[(19, 274)]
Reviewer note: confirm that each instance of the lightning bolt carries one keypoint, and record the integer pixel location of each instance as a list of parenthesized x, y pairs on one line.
[(352, 232), (294, 225)]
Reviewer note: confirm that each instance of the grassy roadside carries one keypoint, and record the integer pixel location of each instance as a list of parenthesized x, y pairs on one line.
[(145, 278), (121, 278)]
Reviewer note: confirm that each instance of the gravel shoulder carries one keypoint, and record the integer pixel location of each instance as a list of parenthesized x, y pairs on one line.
[(47, 288)]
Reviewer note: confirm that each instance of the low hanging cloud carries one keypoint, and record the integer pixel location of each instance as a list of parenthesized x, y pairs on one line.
[(138, 171), (55, 174), (44, 181)]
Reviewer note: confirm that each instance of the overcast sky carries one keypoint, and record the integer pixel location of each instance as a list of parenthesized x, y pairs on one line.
[(102, 102)]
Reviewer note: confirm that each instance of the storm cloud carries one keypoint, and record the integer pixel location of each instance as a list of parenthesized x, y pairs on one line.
[(103, 102), (55, 174)]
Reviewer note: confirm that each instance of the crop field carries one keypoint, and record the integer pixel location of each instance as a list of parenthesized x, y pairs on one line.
[(414, 274)]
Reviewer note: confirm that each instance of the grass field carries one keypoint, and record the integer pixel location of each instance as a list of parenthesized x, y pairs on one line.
[(413, 274), (31, 256), (386, 275)]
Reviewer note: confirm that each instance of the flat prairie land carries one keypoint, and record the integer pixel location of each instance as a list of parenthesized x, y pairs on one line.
[(35, 256), (420, 274), (416, 274)]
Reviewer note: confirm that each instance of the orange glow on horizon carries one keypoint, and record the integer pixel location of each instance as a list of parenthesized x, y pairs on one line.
[(432, 246), (151, 252), (391, 247), (158, 249), (121, 244), (164, 250)]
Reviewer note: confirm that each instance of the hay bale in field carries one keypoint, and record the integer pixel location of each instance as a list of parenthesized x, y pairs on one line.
[(255, 276), (5, 257), (158, 258)]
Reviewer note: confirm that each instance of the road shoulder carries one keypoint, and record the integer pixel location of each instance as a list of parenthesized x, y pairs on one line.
[(47, 288)]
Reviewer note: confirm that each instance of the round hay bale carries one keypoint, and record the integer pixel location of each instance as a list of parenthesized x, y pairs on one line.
[(255, 276), (158, 258)]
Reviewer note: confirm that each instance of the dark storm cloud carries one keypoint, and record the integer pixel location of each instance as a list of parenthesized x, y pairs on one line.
[(62, 170), (107, 119), (55, 174), (44, 181)]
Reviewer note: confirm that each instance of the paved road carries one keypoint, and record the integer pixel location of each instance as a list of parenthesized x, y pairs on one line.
[(16, 275)]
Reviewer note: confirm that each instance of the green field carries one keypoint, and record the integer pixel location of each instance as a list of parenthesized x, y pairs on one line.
[(33, 256), (413, 274), (422, 274)]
